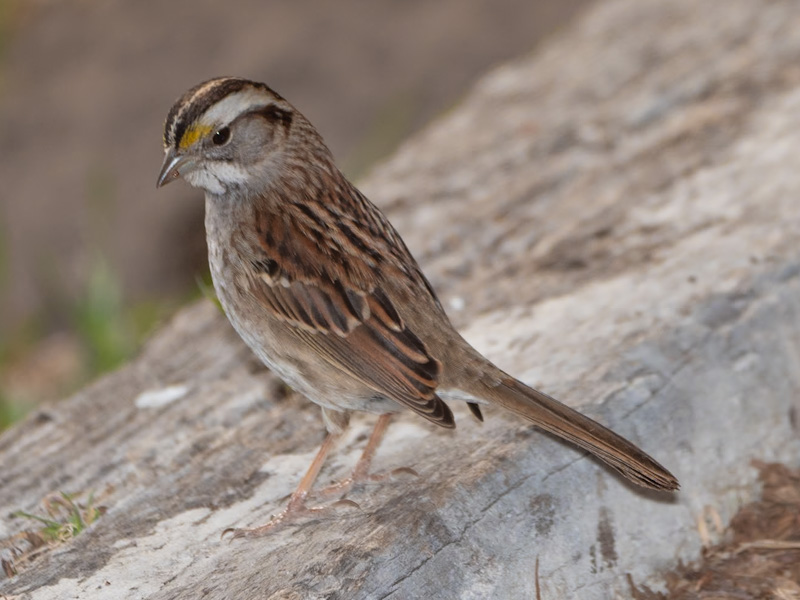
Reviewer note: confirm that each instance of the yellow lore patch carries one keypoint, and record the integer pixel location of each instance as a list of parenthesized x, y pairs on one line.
[(193, 134)]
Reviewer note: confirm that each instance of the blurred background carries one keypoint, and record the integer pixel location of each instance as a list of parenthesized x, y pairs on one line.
[(92, 258)]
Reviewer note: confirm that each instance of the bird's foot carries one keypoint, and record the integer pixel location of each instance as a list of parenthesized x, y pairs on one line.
[(295, 510), (359, 476)]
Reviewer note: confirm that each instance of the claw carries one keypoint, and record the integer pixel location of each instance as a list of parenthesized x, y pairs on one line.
[(282, 518), (405, 471)]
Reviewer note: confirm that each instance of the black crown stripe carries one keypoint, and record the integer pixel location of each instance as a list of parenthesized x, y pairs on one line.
[(198, 100)]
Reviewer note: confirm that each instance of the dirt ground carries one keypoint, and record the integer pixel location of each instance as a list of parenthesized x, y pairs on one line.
[(759, 556)]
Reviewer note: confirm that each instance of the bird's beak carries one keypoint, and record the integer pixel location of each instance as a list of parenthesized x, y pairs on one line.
[(175, 165)]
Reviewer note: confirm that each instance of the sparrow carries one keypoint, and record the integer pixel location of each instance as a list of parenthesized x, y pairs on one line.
[(322, 288)]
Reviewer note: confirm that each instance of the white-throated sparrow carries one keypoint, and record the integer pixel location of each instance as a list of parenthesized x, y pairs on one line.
[(319, 284)]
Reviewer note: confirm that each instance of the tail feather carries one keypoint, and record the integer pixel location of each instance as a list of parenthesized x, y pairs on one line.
[(553, 416)]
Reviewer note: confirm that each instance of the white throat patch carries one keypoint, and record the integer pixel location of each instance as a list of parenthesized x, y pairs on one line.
[(215, 177)]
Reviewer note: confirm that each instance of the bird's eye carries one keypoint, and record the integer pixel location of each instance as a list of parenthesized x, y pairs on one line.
[(221, 136)]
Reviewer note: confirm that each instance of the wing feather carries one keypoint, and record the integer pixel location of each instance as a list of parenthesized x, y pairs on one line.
[(350, 322)]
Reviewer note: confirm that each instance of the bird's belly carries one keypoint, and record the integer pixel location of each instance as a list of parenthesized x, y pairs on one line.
[(299, 366), (318, 381)]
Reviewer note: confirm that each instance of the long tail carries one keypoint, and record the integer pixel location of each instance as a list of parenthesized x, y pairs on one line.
[(549, 414)]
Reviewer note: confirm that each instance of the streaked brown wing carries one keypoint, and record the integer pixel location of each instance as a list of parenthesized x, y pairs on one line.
[(384, 364), (351, 324)]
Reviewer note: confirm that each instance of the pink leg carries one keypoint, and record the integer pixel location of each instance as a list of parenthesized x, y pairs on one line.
[(297, 503), (296, 506), (361, 470)]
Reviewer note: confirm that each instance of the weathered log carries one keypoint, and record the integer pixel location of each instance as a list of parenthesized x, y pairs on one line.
[(614, 219)]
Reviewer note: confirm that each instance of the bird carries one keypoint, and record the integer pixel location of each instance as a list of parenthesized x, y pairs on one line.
[(319, 284)]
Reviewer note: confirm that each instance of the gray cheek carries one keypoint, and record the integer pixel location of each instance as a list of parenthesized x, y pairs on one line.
[(254, 141)]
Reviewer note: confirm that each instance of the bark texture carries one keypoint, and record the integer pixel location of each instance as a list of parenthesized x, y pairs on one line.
[(614, 219)]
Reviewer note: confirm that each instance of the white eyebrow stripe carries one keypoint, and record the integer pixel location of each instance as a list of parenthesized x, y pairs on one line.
[(230, 107)]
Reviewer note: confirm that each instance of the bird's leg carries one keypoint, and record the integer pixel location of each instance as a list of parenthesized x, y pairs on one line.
[(297, 502), (296, 507), (361, 471), (298, 499)]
